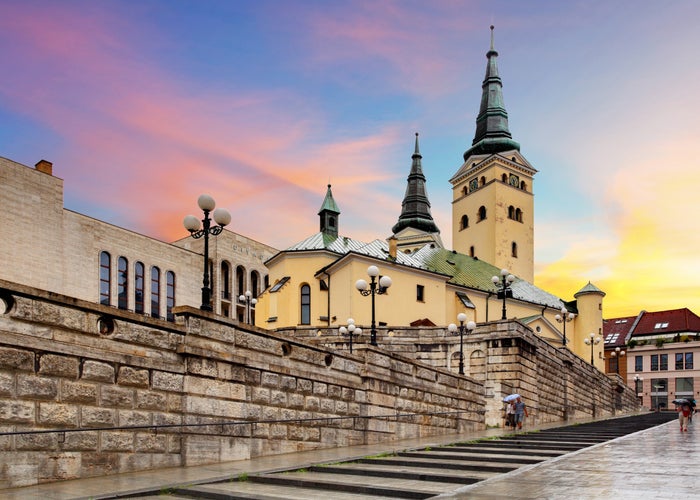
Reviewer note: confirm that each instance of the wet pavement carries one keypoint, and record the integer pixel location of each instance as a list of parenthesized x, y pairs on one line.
[(660, 462)]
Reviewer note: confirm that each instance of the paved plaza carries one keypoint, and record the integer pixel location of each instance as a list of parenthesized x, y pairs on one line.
[(660, 463)]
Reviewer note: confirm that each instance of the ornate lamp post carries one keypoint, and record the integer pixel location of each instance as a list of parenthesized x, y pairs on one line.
[(362, 287), (250, 301), (592, 341), (505, 289), (564, 318), (638, 381), (191, 223), (617, 353), (461, 317), (350, 330)]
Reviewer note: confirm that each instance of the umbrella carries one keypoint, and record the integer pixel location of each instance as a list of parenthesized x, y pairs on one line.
[(680, 402), (511, 397)]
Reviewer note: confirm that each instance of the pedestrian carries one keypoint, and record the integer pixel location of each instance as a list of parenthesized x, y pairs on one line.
[(520, 412), (510, 415), (684, 410)]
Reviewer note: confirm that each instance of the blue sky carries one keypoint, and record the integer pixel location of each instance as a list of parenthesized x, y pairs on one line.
[(142, 106)]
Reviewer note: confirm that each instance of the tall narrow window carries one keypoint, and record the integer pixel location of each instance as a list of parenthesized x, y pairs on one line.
[(514, 249), (518, 215), (254, 283), (511, 212), (225, 281), (639, 364), (663, 361), (679, 361), (169, 295), (688, 360), (155, 292), (123, 283), (420, 293), (655, 362), (305, 305), (464, 222), (139, 284), (240, 281), (105, 278), (472, 252), (482, 212)]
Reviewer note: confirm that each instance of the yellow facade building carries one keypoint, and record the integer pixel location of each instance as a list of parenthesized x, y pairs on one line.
[(313, 283)]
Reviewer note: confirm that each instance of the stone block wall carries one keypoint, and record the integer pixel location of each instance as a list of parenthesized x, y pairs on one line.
[(88, 390)]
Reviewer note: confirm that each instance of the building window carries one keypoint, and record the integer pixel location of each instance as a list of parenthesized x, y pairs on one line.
[(122, 283), (305, 305), (482, 213), (155, 292), (659, 392), (684, 386), (240, 281), (420, 293), (472, 252), (504, 178), (639, 364), (464, 191), (511, 212), (482, 181), (139, 284), (105, 281), (225, 281), (518, 215), (514, 249), (655, 362), (663, 362), (169, 295), (613, 365), (254, 280), (688, 360), (464, 222), (523, 186), (679, 360)]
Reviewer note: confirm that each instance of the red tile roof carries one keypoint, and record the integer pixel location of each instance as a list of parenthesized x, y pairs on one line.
[(673, 321)]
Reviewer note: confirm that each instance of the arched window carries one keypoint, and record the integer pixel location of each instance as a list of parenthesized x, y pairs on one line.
[(105, 278), (514, 249), (518, 215), (482, 181), (464, 222), (139, 286), (482, 213), (240, 281), (511, 212), (504, 178), (225, 281), (305, 305), (523, 186), (169, 295), (331, 221), (155, 292), (472, 252), (123, 283), (464, 191), (266, 280), (255, 283)]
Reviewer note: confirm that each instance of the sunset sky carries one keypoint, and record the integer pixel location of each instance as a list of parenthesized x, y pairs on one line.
[(143, 105)]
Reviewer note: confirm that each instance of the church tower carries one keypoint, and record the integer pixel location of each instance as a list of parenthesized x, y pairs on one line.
[(492, 192), (415, 227), (328, 215)]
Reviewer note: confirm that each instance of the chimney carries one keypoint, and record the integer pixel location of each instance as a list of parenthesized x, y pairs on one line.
[(392, 248), (45, 167)]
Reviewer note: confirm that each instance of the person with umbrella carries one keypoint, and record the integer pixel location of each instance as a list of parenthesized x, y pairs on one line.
[(520, 412), (684, 409)]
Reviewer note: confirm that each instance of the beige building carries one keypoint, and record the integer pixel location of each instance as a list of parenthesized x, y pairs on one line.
[(47, 246)]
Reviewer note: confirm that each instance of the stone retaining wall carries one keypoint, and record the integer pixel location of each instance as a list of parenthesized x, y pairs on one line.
[(127, 392)]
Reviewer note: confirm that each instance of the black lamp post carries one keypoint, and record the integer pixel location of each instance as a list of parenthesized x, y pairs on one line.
[(222, 218), (564, 318), (351, 330), (617, 353), (638, 382), (461, 317), (592, 341), (505, 290), (362, 287), (249, 302)]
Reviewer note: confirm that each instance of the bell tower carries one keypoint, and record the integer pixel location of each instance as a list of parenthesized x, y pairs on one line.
[(492, 192)]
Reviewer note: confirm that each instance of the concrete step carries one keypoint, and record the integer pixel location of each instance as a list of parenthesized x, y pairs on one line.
[(250, 490), (426, 460)]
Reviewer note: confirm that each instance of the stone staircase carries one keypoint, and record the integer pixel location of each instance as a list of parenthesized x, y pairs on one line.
[(417, 473)]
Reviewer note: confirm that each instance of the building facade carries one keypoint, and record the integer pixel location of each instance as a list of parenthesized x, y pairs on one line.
[(655, 353), (59, 250)]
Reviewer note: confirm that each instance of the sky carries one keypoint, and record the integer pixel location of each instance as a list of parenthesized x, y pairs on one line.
[(142, 106)]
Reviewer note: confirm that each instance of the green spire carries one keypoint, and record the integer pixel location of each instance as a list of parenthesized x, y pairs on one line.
[(329, 214), (492, 134), (415, 208)]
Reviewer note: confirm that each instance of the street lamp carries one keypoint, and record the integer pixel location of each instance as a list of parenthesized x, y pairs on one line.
[(564, 318), (505, 289), (592, 342), (191, 223), (361, 285), (637, 382), (461, 317), (249, 302), (617, 353), (350, 330)]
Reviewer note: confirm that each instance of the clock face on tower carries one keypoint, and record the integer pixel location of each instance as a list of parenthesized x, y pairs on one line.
[(514, 180), (473, 184)]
